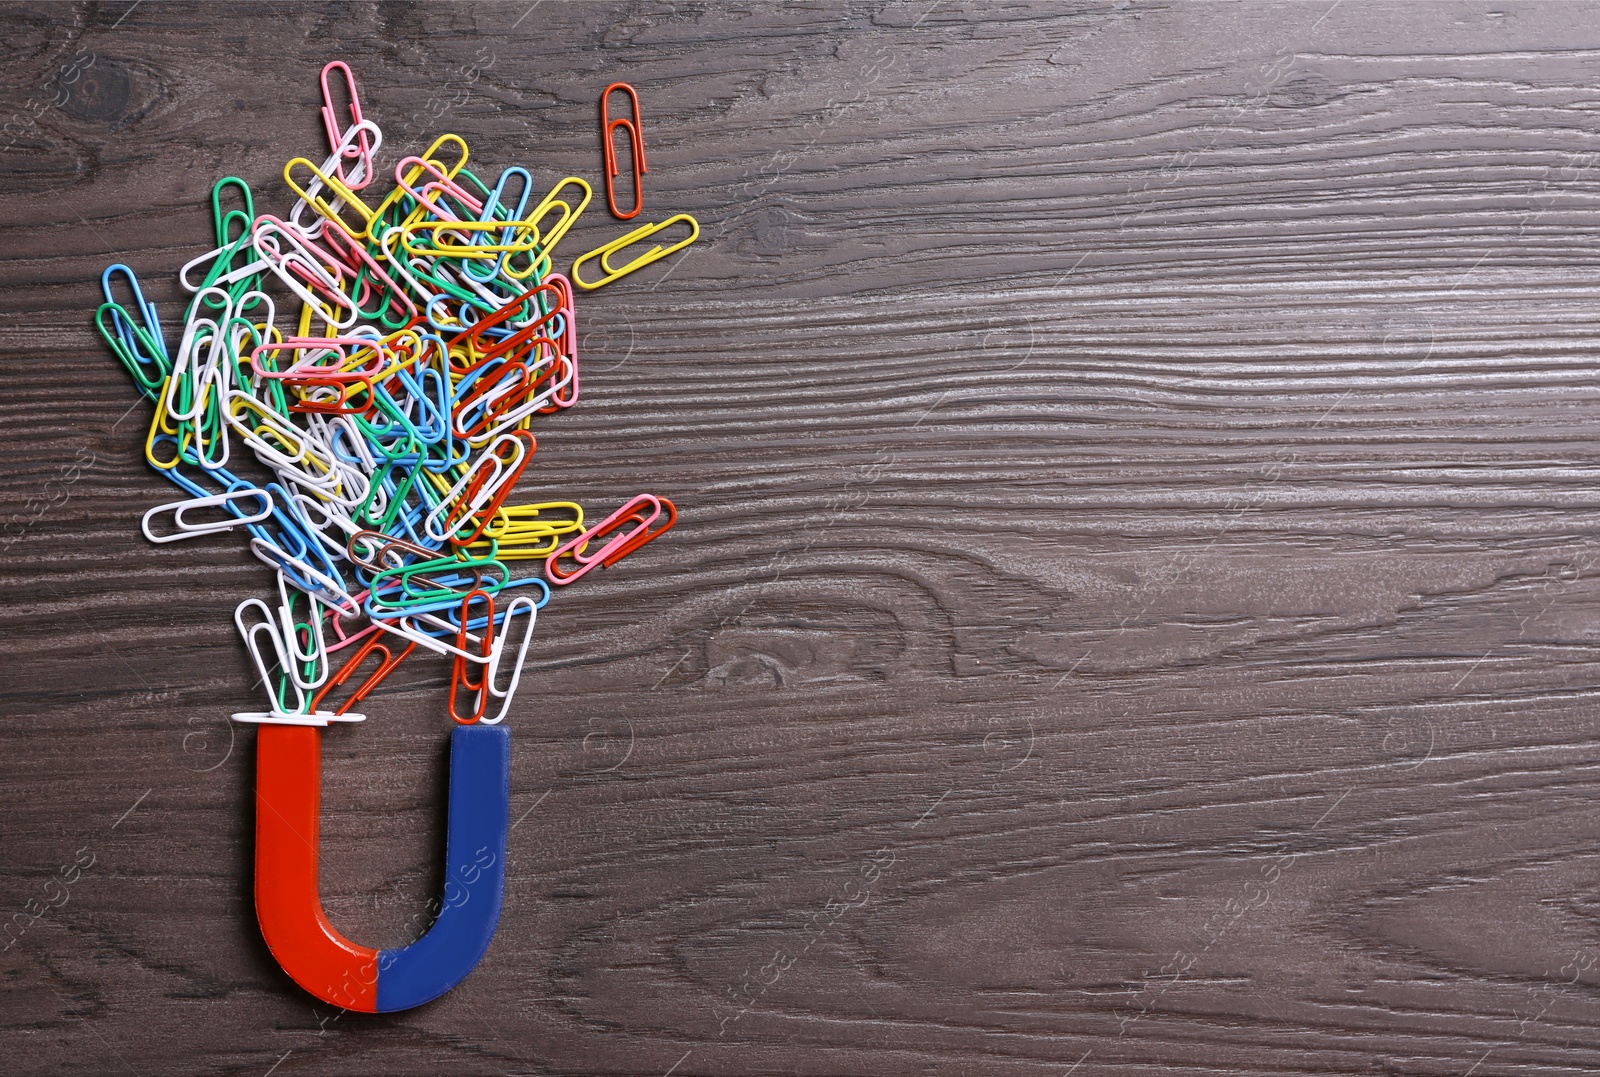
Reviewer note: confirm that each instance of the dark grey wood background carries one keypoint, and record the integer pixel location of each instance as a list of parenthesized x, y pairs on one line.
[(1134, 607)]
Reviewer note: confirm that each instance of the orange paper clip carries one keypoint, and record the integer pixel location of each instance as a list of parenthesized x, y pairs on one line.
[(385, 667), (608, 127)]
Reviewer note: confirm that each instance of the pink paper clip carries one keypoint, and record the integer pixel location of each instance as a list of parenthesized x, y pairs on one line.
[(617, 542), (361, 152)]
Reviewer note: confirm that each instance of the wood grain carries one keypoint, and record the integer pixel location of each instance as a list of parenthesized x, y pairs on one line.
[(1132, 608)]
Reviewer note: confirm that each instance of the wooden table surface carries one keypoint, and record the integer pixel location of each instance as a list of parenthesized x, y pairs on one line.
[(1133, 609)]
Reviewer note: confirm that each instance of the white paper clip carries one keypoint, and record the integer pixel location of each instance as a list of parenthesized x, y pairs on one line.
[(188, 530), (497, 652)]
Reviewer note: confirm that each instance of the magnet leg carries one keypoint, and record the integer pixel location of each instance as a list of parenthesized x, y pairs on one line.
[(475, 873), (288, 904)]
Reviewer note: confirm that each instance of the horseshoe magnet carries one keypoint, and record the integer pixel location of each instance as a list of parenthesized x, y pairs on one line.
[(289, 905)]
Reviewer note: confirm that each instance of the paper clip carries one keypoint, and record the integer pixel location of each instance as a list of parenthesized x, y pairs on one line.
[(344, 197), (219, 275), (315, 718), (477, 684), (138, 345), (308, 662), (386, 666), (608, 128), (522, 534), (224, 221), (654, 254), (226, 501), (497, 653), (362, 152), (481, 491), (407, 176), (549, 237), (278, 658), (303, 261), (618, 543)]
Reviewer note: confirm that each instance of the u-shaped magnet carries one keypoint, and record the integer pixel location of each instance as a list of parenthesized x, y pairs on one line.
[(289, 906)]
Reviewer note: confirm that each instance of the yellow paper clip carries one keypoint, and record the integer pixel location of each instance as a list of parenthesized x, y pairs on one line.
[(311, 194), (527, 238), (523, 534), (550, 237), (654, 254)]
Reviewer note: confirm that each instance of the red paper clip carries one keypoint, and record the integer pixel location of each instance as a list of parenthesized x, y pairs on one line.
[(385, 667), (459, 676), (607, 126)]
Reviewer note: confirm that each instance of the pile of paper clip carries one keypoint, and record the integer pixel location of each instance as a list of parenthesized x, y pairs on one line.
[(397, 431)]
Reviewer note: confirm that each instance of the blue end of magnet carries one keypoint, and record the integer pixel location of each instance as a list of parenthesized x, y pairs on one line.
[(475, 874)]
